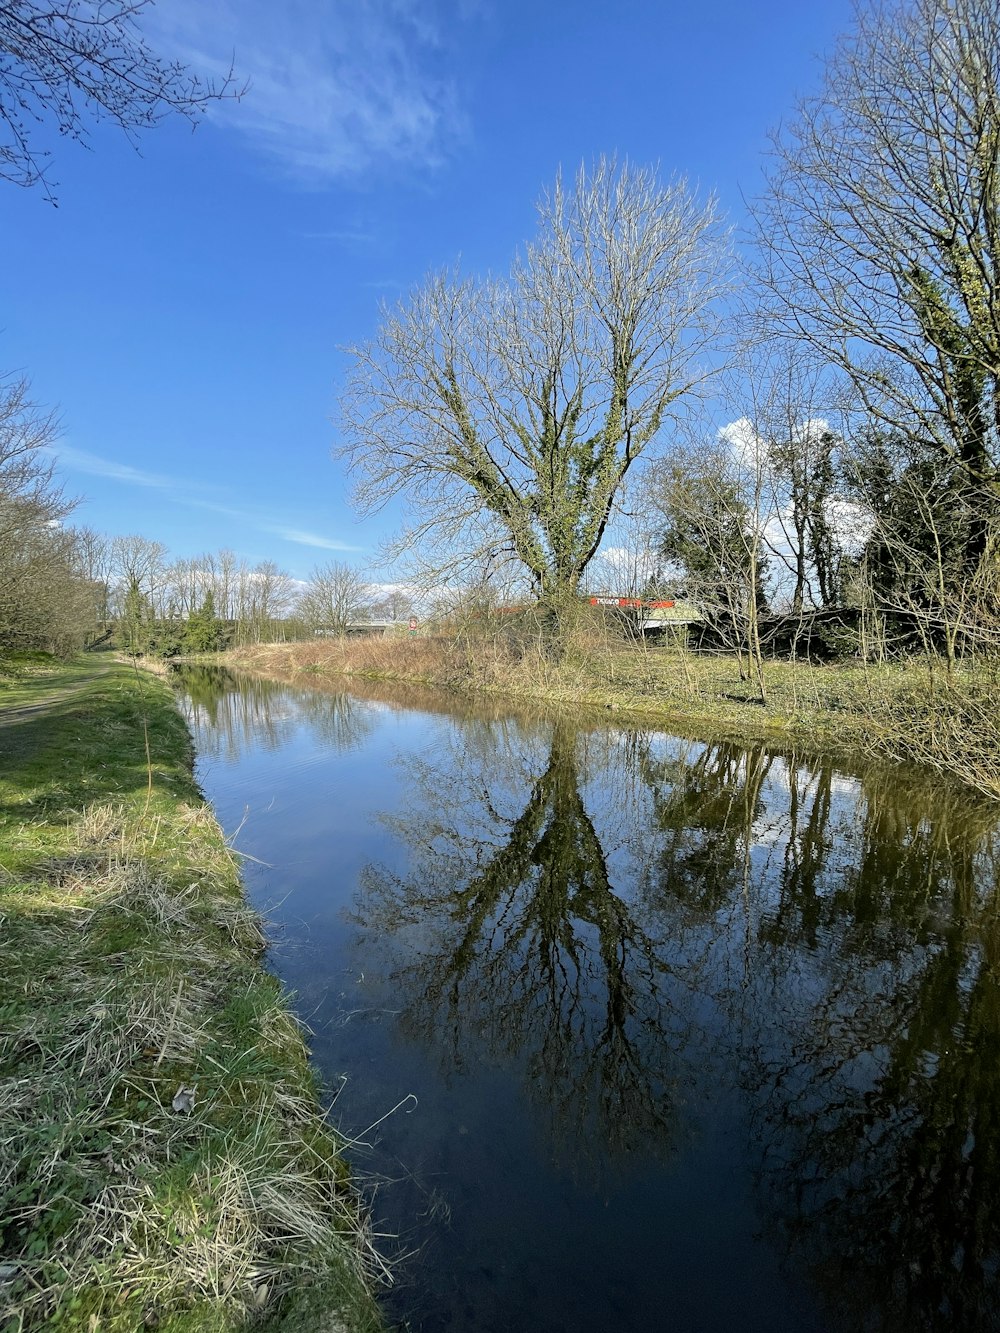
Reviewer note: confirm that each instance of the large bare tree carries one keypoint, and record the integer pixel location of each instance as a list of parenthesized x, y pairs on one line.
[(881, 235), (507, 413), (141, 562)]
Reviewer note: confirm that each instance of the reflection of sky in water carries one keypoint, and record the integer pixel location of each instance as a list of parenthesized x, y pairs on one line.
[(679, 1017)]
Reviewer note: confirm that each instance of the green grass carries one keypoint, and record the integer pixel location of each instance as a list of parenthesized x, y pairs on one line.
[(132, 969), (28, 678)]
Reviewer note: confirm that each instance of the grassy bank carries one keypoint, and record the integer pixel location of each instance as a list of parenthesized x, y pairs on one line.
[(914, 711), (163, 1159)]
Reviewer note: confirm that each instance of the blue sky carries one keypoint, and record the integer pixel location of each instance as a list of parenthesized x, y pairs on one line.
[(185, 309)]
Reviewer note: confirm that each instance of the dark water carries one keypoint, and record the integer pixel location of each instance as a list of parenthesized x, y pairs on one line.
[(680, 1035)]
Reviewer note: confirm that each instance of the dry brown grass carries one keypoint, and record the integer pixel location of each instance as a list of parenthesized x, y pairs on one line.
[(127, 1210), (430, 659), (437, 660), (949, 720), (905, 710)]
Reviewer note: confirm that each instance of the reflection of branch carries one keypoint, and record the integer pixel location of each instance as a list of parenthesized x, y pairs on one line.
[(705, 807), (868, 1021), (533, 952), (878, 1088)]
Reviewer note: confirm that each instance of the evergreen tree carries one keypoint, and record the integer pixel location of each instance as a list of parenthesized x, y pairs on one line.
[(204, 631), (136, 621)]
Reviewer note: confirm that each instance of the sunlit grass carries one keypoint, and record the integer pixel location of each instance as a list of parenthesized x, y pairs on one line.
[(132, 970)]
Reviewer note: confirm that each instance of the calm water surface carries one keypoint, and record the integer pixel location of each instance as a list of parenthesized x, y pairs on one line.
[(679, 1035)]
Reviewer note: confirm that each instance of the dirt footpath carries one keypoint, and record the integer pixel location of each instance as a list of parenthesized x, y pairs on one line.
[(46, 700)]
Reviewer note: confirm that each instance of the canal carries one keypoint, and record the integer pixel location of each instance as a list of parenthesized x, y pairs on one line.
[(631, 1031)]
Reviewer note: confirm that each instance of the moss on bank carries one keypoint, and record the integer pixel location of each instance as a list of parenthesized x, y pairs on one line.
[(133, 972)]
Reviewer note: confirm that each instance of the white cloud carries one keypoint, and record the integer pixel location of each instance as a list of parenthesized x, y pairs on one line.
[(744, 443), (850, 526), (178, 491), (748, 447), (337, 87), (308, 538), (851, 523), (82, 461)]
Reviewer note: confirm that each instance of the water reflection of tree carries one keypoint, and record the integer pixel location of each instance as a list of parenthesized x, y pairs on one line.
[(705, 801), (863, 1004), (230, 714), (847, 930), (875, 1068), (508, 935), (865, 1012)]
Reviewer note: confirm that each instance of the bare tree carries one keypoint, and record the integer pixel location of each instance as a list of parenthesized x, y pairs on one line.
[(336, 596), (187, 585), (881, 235), (221, 576), (91, 555), (139, 563), (63, 63), (44, 601), (41, 602), (510, 412), (394, 604), (266, 598), (27, 462)]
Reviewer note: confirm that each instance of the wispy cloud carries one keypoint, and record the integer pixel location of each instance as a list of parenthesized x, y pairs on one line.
[(310, 539), (288, 534), (90, 464), (181, 492), (336, 87)]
